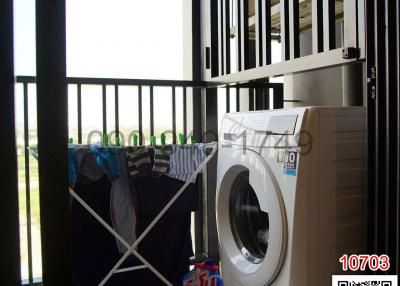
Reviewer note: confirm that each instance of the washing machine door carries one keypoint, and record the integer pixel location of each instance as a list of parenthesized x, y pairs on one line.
[(251, 219)]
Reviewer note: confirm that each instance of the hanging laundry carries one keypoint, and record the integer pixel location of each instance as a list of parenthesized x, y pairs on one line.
[(72, 166), (138, 160), (84, 163), (107, 159), (154, 193), (89, 164), (161, 159), (93, 248), (123, 204), (185, 159), (168, 246)]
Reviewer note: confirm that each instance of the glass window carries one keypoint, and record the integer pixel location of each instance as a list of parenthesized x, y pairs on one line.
[(250, 225)]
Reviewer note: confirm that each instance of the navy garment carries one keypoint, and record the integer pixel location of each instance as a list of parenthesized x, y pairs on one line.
[(154, 193), (94, 250), (168, 246)]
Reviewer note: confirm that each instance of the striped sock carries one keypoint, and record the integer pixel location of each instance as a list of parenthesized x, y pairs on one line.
[(161, 160), (138, 161)]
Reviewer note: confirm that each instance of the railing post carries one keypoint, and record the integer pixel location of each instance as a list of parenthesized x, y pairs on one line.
[(140, 115), (79, 110), (317, 26), (104, 104), (285, 30), (173, 115), (27, 182), (244, 32), (265, 30), (294, 21), (116, 111), (151, 111)]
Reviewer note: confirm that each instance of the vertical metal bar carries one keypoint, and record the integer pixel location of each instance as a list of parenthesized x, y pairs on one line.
[(278, 96), (372, 209), (184, 112), (380, 111), (391, 132), (266, 99), (52, 123), (27, 182), (237, 99), (294, 22), (259, 102), (251, 99), (398, 136), (329, 25), (9, 238), (196, 113), (221, 37), (210, 107), (214, 24), (228, 99), (227, 36), (238, 35), (104, 104), (151, 111), (116, 111), (197, 52), (79, 108), (266, 31), (140, 115), (285, 39), (260, 35), (173, 116), (244, 39), (317, 26)]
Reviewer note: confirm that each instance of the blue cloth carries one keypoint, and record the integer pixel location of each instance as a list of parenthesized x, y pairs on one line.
[(106, 158), (185, 159), (72, 166)]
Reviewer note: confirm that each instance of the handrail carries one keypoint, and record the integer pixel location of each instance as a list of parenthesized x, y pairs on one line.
[(155, 82)]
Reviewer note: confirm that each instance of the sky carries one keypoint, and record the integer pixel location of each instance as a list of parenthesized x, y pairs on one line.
[(119, 39), (110, 38)]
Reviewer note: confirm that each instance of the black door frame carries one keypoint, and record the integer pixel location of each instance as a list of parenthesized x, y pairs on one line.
[(9, 226), (383, 103)]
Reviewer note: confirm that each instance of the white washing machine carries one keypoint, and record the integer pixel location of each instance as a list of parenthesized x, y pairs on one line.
[(291, 195)]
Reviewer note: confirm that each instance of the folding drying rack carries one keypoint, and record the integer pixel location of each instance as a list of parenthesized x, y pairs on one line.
[(132, 248)]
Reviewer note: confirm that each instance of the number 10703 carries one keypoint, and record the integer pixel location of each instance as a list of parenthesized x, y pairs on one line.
[(364, 262)]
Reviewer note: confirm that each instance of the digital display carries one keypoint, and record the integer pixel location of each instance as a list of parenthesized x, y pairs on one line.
[(282, 125)]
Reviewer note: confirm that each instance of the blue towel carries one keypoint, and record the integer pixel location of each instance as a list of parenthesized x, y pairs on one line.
[(72, 166), (106, 157)]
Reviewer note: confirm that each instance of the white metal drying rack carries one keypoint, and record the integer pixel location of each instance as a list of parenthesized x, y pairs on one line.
[(132, 248)]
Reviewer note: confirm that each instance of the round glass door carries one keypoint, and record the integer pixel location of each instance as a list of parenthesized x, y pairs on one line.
[(251, 218), (250, 225)]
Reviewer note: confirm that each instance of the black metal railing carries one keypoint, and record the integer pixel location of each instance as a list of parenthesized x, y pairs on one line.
[(243, 36), (258, 97)]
